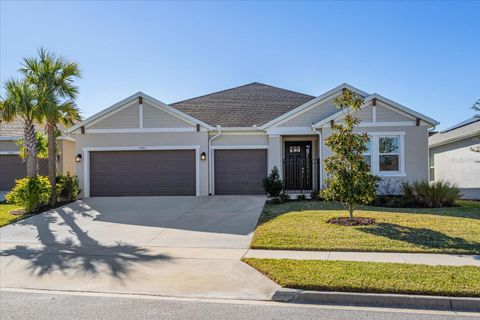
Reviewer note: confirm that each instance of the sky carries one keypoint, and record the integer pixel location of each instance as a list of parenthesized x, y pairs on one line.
[(424, 55)]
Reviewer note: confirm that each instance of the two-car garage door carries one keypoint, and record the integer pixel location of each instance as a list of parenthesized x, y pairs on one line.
[(173, 172), (142, 173)]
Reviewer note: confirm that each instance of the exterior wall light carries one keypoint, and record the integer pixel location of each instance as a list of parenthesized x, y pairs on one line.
[(203, 156), (78, 158)]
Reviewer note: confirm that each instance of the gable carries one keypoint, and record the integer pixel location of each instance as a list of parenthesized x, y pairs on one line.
[(126, 118), (385, 114), (153, 117), (309, 117)]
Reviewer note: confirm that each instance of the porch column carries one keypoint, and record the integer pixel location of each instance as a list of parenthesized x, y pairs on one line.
[(275, 153)]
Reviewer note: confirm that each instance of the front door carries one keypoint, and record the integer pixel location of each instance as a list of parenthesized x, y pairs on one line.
[(298, 165)]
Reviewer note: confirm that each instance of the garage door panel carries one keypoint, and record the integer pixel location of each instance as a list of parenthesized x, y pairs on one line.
[(240, 171), (12, 167), (142, 173)]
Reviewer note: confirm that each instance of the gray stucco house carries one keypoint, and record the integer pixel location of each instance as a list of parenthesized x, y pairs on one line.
[(226, 142), (452, 157)]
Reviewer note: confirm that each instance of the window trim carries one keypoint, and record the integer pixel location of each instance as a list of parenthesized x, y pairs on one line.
[(375, 153)]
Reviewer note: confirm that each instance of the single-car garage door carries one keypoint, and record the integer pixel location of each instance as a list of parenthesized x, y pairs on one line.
[(12, 167), (240, 171), (142, 173)]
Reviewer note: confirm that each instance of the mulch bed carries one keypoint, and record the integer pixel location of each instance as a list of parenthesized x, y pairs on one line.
[(356, 221)]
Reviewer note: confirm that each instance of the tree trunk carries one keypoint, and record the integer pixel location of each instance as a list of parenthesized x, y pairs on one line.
[(30, 146), (350, 211), (52, 161)]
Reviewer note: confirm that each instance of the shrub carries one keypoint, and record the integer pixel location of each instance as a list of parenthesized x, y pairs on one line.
[(433, 195), (284, 197), (67, 187), (272, 183), (30, 193), (301, 197)]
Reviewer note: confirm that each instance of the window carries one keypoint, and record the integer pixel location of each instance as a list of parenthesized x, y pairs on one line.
[(389, 154), (368, 154), (385, 153), (295, 149), (432, 167)]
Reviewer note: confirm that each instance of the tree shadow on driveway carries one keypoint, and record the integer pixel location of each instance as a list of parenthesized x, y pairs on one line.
[(422, 237), (85, 255)]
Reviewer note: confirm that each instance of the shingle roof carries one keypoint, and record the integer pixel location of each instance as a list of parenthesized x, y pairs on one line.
[(465, 129), (15, 128), (244, 106)]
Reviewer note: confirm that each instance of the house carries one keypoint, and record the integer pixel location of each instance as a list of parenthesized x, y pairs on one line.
[(12, 167), (226, 142), (453, 157)]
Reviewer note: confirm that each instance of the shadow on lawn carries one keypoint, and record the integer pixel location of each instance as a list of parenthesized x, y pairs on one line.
[(84, 255), (422, 237)]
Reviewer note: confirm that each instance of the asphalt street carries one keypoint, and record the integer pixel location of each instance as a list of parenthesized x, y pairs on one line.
[(43, 305)]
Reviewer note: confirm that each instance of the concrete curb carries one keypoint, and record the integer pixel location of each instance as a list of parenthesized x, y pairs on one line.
[(378, 300)]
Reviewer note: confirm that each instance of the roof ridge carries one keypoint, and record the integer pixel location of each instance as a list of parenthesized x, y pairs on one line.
[(233, 88)]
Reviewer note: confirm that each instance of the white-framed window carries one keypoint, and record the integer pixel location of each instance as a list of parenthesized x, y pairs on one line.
[(431, 161), (368, 154), (385, 154)]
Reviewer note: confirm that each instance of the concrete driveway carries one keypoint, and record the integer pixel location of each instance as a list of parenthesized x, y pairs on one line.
[(175, 246)]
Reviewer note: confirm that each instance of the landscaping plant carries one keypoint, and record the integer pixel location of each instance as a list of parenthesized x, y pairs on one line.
[(349, 179), (30, 193), (67, 187), (430, 194), (272, 183)]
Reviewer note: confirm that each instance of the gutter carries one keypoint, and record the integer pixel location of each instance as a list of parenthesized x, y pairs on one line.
[(320, 145), (210, 162)]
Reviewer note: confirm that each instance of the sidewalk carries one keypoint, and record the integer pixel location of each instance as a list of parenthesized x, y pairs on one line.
[(413, 258)]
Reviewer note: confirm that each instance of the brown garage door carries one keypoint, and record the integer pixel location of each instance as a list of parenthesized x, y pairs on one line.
[(240, 171), (142, 173), (12, 167)]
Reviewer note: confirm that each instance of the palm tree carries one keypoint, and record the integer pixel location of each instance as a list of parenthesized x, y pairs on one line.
[(21, 101), (53, 77)]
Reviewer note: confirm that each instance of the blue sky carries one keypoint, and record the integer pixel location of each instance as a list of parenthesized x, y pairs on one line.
[(425, 55)]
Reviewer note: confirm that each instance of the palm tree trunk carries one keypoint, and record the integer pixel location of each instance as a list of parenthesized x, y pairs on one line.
[(30, 148), (52, 161)]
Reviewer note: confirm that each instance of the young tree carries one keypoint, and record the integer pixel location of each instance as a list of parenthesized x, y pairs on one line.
[(42, 148), (21, 101), (349, 179), (53, 77)]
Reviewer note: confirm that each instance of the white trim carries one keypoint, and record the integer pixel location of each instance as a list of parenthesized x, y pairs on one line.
[(387, 133), (374, 113), (66, 138), (86, 161), (290, 131), (141, 130), (243, 129), (9, 152), (311, 104), (133, 99), (240, 147), (8, 138), (239, 133), (387, 124), (140, 115)]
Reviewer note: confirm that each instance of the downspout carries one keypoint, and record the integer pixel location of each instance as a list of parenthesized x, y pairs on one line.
[(320, 155), (210, 162)]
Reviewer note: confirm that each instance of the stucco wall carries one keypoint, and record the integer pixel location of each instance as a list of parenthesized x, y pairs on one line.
[(141, 140), (457, 163), (415, 149), (67, 157)]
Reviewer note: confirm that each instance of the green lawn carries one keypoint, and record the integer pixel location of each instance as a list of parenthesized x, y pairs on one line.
[(371, 277), (301, 225), (6, 217)]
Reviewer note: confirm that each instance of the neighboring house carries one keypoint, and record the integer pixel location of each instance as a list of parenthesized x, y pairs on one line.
[(226, 142), (12, 167), (452, 157)]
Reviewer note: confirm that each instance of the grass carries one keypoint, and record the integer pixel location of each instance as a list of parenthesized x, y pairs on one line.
[(372, 277), (302, 225), (6, 217)]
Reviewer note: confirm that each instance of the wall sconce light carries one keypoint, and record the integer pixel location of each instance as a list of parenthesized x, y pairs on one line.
[(78, 158), (203, 156)]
